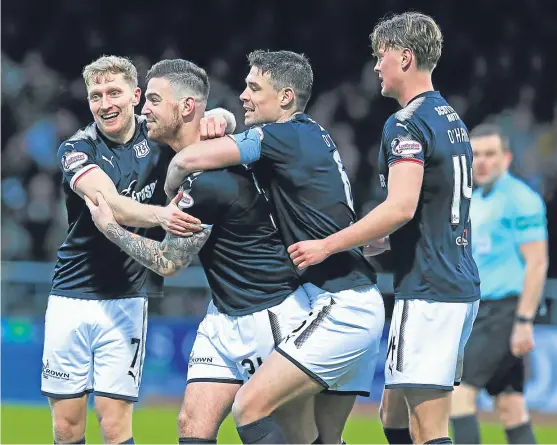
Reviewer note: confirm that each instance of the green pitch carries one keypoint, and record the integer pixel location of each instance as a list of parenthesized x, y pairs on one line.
[(32, 425)]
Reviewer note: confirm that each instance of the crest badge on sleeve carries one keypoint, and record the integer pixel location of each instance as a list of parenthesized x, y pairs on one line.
[(73, 160)]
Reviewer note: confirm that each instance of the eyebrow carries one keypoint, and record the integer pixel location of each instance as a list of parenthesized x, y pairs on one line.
[(151, 94)]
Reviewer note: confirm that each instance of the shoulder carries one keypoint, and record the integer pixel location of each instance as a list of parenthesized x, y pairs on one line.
[(82, 140), (78, 150), (411, 111), (217, 181), (142, 124), (522, 194), (211, 187), (403, 135), (279, 130), (88, 133)]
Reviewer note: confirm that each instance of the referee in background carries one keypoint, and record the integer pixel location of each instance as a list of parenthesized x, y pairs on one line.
[(510, 250)]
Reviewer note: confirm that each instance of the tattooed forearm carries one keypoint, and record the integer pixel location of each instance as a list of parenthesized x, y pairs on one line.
[(166, 257), (174, 177)]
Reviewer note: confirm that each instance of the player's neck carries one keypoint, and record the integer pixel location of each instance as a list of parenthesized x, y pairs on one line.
[(124, 137), (419, 84), (188, 134), (489, 186), (287, 115)]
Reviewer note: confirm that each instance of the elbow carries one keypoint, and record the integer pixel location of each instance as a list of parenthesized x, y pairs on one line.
[(407, 212), (182, 165), (121, 219), (174, 269), (543, 264), (403, 210), (168, 272), (540, 264)]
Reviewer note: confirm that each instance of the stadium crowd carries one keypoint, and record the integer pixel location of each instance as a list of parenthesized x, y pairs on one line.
[(491, 71)]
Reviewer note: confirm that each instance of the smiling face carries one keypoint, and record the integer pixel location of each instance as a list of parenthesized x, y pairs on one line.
[(162, 110), (261, 101), (112, 100)]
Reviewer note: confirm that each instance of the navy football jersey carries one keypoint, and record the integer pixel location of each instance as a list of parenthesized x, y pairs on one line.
[(246, 264), (89, 266), (432, 253), (301, 167)]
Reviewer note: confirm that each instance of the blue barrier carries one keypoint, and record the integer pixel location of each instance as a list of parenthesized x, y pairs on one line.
[(169, 342)]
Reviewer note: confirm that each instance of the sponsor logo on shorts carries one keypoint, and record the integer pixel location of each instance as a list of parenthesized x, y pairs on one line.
[(54, 374), (72, 160), (198, 360)]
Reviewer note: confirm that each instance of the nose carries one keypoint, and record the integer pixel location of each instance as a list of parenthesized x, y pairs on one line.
[(105, 103), (244, 97), (145, 109), (376, 67)]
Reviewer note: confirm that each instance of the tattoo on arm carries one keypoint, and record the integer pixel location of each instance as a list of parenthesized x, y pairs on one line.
[(174, 177), (166, 257)]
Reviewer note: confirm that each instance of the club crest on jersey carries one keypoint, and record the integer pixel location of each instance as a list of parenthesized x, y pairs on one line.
[(73, 160), (405, 147), (141, 149)]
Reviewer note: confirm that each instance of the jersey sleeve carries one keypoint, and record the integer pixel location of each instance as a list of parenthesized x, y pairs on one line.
[(275, 142), (207, 196), (529, 218), (403, 142), (77, 158)]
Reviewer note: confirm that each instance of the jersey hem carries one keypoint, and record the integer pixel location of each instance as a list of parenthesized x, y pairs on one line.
[(330, 286), (252, 309), (79, 296), (457, 299)]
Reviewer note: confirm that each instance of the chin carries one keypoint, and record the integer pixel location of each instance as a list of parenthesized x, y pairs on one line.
[(112, 130), (249, 122), (155, 136), (386, 92)]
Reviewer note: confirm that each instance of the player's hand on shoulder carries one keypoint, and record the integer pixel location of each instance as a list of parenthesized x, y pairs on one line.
[(216, 123), (174, 220), (522, 339), (308, 253), (101, 213)]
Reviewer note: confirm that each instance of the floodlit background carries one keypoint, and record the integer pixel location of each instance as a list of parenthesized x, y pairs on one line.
[(498, 65)]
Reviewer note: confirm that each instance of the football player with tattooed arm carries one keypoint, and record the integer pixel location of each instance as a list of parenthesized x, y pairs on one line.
[(425, 164), (96, 319), (256, 294), (330, 357)]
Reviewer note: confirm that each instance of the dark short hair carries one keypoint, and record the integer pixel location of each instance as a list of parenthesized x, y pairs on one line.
[(286, 69), (484, 130), (182, 75)]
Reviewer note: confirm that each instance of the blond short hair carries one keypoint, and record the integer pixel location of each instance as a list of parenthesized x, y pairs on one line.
[(110, 65), (413, 30)]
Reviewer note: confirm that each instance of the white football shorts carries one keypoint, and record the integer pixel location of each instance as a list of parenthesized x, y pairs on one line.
[(94, 345)]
